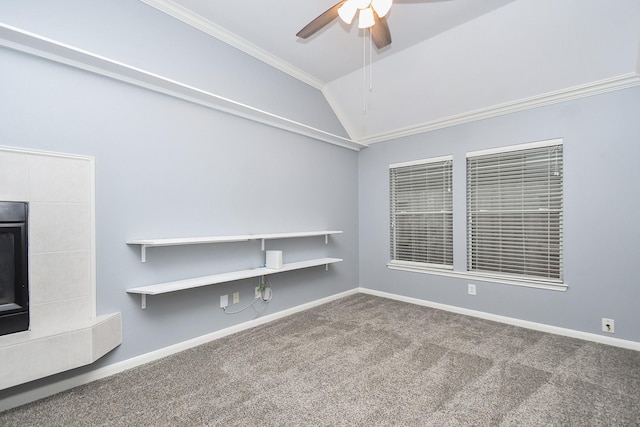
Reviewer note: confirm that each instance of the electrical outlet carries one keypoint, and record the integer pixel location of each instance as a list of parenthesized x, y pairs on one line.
[(471, 289), (236, 297), (608, 325), (224, 301)]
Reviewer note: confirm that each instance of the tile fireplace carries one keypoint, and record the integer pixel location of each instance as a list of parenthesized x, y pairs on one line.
[(51, 194)]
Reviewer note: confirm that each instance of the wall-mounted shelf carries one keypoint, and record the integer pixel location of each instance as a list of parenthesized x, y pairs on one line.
[(180, 241), (179, 285)]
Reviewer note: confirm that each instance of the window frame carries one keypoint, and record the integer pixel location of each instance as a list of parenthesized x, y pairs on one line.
[(396, 262), (458, 263), (545, 279)]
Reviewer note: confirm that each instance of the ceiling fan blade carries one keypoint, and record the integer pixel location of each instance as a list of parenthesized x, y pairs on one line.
[(380, 31), (322, 20)]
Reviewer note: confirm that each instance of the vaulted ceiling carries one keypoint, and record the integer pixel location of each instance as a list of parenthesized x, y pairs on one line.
[(268, 29), (450, 61)]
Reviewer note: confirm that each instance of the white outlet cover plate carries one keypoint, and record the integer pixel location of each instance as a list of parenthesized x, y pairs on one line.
[(611, 328)]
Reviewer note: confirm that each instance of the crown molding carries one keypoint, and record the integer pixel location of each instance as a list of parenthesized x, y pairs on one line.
[(595, 88), (190, 18), (342, 116), (32, 44)]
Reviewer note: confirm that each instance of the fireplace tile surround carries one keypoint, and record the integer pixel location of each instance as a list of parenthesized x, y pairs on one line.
[(65, 332)]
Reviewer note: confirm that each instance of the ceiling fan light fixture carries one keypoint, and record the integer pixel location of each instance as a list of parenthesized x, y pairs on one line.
[(348, 11), (381, 7), (365, 19), (361, 4)]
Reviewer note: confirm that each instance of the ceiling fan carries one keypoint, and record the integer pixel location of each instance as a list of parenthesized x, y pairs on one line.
[(371, 14)]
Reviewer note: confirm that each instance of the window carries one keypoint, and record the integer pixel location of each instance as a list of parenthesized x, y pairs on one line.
[(421, 213), (514, 212)]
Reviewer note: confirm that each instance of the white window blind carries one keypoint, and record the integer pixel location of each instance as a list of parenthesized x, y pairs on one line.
[(514, 212), (421, 213)]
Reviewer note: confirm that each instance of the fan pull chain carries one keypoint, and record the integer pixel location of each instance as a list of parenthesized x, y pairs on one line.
[(364, 74), (370, 61), (364, 70)]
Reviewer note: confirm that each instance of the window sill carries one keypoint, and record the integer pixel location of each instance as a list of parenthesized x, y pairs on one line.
[(481, 277)]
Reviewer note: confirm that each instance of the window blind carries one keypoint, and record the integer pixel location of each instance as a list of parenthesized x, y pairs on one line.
[(514, 212), (421, 213)]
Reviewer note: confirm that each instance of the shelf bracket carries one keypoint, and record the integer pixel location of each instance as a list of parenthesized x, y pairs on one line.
[(143, 253), (326, 267), (326, 239), (263, 245), (143, 301)]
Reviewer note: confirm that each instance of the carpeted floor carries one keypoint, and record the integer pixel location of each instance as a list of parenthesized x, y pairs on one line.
[(364, 361)]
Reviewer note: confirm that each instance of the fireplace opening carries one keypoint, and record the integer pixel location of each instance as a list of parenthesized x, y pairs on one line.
[(14, 274)]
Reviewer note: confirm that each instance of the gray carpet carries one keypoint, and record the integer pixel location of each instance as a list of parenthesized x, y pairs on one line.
[(364, 361)]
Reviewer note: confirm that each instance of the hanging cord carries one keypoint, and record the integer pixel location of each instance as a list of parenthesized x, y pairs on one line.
[(364, 74), (364, 68), (265, 290), (242, 309), (370, 61), (266, 286), (263, 287), (445, 169)]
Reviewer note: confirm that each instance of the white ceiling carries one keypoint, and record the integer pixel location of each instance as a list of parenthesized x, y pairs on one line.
[(336, 50), (450, 61)]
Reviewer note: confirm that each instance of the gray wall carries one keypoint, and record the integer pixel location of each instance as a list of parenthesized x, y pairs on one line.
[(138, 35), (601, 205), (167, 168)]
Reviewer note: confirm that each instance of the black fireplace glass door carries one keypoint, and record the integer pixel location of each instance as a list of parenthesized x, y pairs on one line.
[(14, 269), (7, 266)]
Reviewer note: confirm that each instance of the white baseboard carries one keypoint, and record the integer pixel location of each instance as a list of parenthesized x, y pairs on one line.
[(63, 385), (57, 387), (616, 342)]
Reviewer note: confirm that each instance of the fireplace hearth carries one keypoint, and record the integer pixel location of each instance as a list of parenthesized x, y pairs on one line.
[(14, 274), (51, 195)]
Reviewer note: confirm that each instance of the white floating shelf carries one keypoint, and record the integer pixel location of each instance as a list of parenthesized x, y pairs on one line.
[(180, 241), (196, 282)]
